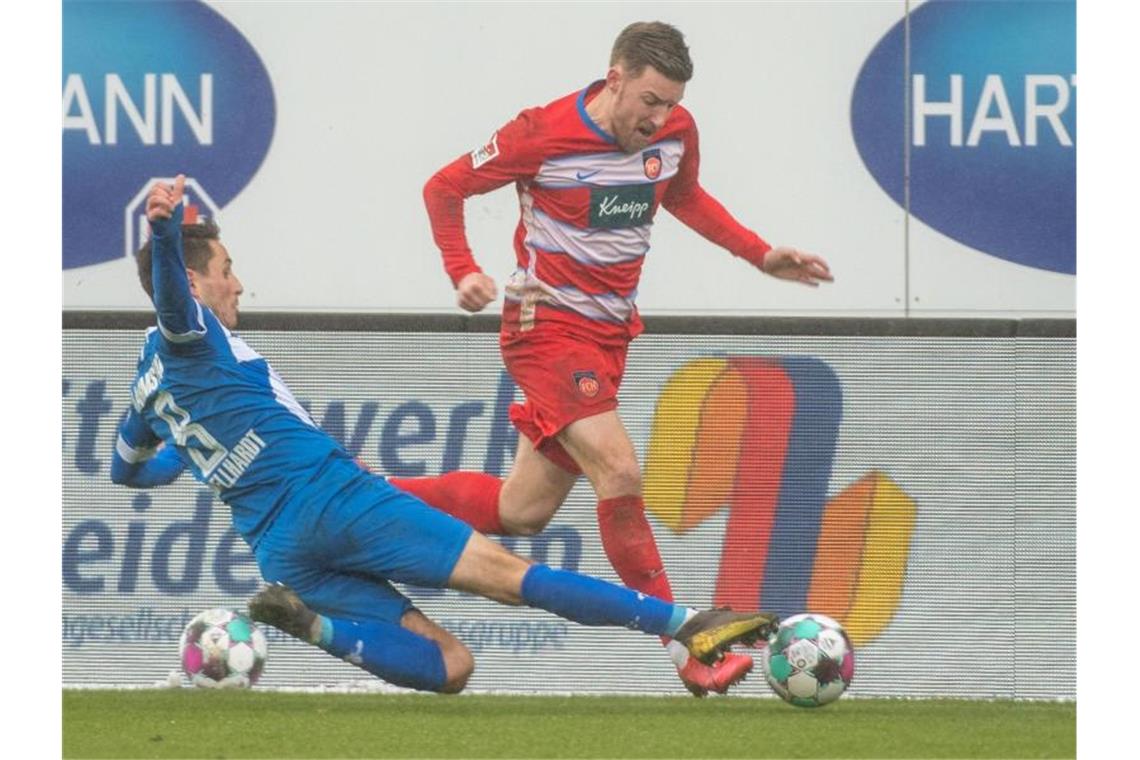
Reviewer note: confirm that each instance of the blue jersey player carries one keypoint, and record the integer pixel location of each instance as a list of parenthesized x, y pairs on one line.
[(328, 535)]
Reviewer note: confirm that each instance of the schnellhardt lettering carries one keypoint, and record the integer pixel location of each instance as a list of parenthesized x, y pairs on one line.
[(239, 459), (609, 206), (147, 384)]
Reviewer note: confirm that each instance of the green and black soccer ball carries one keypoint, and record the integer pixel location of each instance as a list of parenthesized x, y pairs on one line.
[(810, 661)]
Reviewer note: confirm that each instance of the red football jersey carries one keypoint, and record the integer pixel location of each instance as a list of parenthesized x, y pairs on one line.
[(587, 209)]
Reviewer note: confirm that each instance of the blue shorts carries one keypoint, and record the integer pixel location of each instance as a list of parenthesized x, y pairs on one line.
[(340, 553)]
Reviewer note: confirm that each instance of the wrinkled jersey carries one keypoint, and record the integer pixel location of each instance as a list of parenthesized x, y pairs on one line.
[(587, 209), (201, 389)]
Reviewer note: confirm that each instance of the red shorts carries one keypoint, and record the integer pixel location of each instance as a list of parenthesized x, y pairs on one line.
[(565, 378)]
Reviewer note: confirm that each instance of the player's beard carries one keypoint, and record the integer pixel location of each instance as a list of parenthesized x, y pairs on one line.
[(630, 140), (634, 139)]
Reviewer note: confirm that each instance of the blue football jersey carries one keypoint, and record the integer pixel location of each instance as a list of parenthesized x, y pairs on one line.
[(218, 404)]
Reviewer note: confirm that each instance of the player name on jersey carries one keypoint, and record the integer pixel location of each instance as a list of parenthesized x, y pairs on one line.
[(237, 460), (147, 384)]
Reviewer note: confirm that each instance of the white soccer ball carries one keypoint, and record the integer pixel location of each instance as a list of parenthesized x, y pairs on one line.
[(810, 661), (223, 649)]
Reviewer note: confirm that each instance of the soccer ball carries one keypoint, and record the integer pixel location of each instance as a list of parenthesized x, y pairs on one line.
[(222, 649), (810, 661)]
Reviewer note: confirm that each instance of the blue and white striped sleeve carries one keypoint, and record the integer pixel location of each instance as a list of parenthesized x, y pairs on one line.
[(140, 461), (179, 315)]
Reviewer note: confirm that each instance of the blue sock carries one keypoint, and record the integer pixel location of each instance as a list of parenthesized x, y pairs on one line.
[(591, 601), (387, 650)]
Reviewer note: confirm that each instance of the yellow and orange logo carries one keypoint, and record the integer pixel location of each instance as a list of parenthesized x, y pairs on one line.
[(758, 435)]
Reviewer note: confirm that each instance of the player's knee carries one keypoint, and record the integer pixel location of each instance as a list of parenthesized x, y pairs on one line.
[(460, 664), (524, 525), (527, 514), (621, 476)]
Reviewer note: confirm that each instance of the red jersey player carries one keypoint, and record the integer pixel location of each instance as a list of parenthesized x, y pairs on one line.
[(591, 169)]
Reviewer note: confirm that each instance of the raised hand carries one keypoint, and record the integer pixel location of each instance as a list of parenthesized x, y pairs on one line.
[(791, 264), (163, 197), (475, 291)]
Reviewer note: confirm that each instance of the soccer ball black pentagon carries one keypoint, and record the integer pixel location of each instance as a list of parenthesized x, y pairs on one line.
[(810, 661)]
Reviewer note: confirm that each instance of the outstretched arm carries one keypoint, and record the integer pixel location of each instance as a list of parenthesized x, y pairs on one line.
[(797, 266), (702, 213), (705, 215), (179, 315), (140, 460)]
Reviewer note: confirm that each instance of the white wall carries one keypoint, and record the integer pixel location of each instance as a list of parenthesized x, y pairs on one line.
[(372, 98)]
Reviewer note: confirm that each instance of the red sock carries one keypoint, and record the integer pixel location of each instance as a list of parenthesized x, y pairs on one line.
[(473, 497), (628, 541)]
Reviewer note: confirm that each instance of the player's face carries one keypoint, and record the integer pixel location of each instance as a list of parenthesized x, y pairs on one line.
[(641, 106), (219, 287)]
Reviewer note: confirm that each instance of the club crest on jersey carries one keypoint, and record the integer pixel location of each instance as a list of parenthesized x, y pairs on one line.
[(651, 161), (587, 383), (482, 155), (196, 204)]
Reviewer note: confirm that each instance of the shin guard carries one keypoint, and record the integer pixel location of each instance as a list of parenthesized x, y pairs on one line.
[(630, 546)]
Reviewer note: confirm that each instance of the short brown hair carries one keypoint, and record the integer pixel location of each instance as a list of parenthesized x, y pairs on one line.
[(656, 44), (196, 251)]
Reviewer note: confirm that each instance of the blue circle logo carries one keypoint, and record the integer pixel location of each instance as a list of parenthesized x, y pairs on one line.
[(987, 114), (150, 90)]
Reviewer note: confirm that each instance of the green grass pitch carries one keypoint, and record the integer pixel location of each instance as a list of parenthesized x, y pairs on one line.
[(200, 723)]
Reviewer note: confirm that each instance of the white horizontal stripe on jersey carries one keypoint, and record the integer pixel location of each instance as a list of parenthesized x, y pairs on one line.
[(189, 335), (604, 308), (609, 169), (524, 287), (130, 454), (597, 247)]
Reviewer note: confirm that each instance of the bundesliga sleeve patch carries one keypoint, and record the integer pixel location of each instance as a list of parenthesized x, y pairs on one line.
[(484, 154)]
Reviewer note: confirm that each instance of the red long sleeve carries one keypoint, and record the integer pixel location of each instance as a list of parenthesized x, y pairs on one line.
[(508, 156), (444, 200), (704, 214)]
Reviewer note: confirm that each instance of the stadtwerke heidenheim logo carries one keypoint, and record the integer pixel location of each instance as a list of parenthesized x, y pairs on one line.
[(151, 89), (757, 435), (987, 110)]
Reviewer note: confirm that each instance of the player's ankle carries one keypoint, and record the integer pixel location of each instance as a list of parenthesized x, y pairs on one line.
[(320, 630), (681, 615), (677, 653)]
